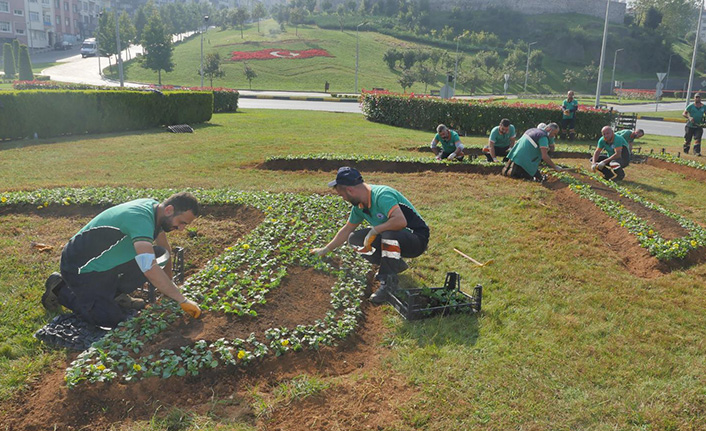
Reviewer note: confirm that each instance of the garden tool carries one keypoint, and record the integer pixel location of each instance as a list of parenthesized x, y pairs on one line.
[(473, 260)]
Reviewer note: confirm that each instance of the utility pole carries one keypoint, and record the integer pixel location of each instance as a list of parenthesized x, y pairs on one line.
[(693, 57), (600, 65)]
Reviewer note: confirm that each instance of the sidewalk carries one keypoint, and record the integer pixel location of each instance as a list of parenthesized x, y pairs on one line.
[(296, 95)]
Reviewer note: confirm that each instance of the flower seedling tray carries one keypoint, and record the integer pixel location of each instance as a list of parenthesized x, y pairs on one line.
[(420, 303)]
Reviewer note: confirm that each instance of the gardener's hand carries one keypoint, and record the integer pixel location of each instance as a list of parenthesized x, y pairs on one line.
[(319, 251), (451, 156), (190, 308), (593, 167), (370, 238), (601, 164), (438, 157)]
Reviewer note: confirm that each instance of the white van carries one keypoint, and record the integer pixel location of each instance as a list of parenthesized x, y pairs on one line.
[(89, 48)]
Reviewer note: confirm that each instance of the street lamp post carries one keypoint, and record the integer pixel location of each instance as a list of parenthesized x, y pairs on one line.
[(357, 52), (600, 64), (669, 67), (693, 57), (529, 47), (612, 78), (98, 51), (205, 20), (117, 46), (456, 64)]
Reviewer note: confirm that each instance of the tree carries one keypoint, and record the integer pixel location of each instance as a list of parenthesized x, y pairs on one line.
[(238, 18), (590, 73), (158, 47), (25, 65), (140, 21), (391, 57), (406, 80), (310, 5), (250, 74), (426, 76), (128, 32), (470, 80), (212, 67), (341, 12), (258, 13), (106, 36), (653, 18), (326, 6), (8, 61), (409, 57), (296, 17), (571, 78), (16, 52)]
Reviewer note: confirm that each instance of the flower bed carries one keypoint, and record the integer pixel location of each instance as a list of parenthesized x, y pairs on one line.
[(647, 236), (232, 284), (272, 54)]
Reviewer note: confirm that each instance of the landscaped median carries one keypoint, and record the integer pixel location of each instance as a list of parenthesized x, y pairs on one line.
[(236, 283)]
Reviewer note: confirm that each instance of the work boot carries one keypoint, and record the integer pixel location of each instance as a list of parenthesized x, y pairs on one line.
[(129, 303), (50, 300), (388, 285)]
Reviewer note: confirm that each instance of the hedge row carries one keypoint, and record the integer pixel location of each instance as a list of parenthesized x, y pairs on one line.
[(224, 99), (473, 117), (64, 112)]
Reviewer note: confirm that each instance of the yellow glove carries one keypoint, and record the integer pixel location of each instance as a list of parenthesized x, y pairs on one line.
[(190, 308), (370, 238)]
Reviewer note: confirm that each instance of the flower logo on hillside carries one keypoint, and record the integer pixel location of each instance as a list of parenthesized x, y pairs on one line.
[(272, 54)]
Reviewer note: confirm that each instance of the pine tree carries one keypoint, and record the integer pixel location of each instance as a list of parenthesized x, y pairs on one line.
[(8, 61), (25, 64)]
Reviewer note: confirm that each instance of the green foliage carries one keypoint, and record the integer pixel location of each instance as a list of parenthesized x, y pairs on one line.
[(407, 79), (472, 117), (157, 43), (61, 112), (106, 34), (250, 74), (212, 66), (8, 61), (16, 50), (653, 18), (24, 64), (225, 100)]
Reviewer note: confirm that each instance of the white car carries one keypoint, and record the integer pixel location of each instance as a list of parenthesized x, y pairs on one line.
[(89, 48)]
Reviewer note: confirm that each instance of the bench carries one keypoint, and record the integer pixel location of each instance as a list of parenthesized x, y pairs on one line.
[(626, 121), (434, 92)]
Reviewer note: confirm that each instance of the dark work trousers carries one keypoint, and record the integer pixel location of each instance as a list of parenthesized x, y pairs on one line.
[(91, 295), (512, 169), (445, 154), (619, 172), (499, 152), (696, 133), (390, 247)]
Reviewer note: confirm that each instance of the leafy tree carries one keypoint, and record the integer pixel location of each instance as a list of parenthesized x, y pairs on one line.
[(239, 17), (128, 32), (471, 80), (296, 17), (250, 74), (106, 36), (281, 15), (653, 18), (258, 13), (571, 78), (8, 61), (16, 51), (406, 80), (212, 67), (341, 12), (425, 75), (140, 21), (25, 65), (158, 47), (590, 73), (326, 6), (409, 57), (391, 57)]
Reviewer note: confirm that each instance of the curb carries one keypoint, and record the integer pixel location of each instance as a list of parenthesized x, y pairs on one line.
[(302, 98), (669, 120)]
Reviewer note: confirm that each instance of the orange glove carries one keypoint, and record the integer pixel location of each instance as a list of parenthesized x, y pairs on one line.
[(190, 308)]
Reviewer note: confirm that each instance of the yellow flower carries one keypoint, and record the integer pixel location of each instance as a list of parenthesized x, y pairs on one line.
[(274, 220), (241, 354), (246, 246), (651, 232), (39, 207), (137, 367), (285, 343), (269, 208), (101, 367), (693, 243), (46, 204), (223, 269), (3, 199)]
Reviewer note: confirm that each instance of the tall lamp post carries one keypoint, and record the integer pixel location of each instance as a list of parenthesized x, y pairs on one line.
[(357, 52), (98, 51), (456, 64), (205, 21), (693, 57), (600, 64), (529, 47), (669, 67), (612, 78), (117, 46)]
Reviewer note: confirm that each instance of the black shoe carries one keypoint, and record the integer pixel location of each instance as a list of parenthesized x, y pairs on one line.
[(127, 302), (686, 150), (388, 285), (49, 299)]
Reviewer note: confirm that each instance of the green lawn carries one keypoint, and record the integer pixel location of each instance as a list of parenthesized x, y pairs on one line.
[(568, 339)]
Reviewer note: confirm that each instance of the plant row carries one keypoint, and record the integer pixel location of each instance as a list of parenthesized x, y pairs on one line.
[(473, 117), (379, 158), (233, 283), (648, 237), (678, 160)]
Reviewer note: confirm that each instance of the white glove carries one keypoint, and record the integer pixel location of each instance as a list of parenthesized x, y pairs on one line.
[(593, 167), (319, 251), (451, 156), (369, 238), (558, 169), (438, 156), (601, 164)]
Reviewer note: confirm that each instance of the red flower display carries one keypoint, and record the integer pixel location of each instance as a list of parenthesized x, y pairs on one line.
[(271, 54)]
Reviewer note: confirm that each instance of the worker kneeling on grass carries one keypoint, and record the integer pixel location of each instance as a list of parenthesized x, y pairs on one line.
[(530, 149), (397, 230), (611, 166), (113, 255)]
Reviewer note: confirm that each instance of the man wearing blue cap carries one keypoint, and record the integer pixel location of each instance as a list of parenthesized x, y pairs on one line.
[(397, 230)]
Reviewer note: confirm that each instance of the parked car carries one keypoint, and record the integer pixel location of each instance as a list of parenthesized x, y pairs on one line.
[(63, 46), (89, 48)]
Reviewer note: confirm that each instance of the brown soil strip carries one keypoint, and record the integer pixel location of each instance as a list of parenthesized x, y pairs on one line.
[(377, 166), (688, 171), (478, 152)]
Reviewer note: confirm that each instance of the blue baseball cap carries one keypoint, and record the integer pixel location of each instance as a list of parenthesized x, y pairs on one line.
[(347, 176)]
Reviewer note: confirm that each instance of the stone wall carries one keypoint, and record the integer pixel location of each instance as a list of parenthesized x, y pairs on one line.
[(586, 7)]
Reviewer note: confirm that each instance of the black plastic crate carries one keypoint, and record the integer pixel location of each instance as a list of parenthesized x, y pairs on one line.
[(420, 303)]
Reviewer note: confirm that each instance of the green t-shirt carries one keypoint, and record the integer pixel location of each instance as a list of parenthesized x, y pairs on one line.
[(627, 135), (107, 240), (382, 200), (526, 155), (571, 106), (696, 113), (449, 146), (618, 141), (502, 140)]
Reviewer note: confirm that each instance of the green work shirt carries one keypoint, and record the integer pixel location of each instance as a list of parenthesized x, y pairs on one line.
[(526, 155), (502, 140), (696, 113), (107, 240), (572, 106), (382, 201), (627, 135), (449, 146), (618, 141)]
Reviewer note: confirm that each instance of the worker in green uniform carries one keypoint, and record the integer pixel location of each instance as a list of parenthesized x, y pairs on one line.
[(630, 136), (617, 159), (532, 148), (694, 113), (451, 146), (568, 116), (501, 140)]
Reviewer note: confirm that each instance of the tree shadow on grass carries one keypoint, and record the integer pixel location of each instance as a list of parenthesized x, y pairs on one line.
[(649, 188)]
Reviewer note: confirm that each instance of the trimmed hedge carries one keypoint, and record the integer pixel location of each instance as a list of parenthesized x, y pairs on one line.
[(64, 112), (471, 116)]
